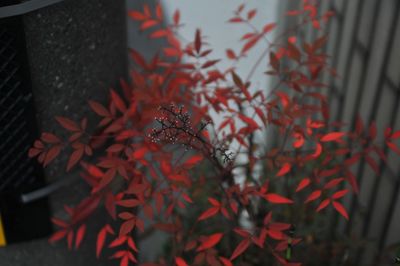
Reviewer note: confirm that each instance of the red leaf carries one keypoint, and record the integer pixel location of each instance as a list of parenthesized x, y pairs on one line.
[(353, 159), (339, 207), (248, 121), (51, 154), (251, 14), (267, 28), (74, 158), (118, 241), (58, 236), (197, 41), (68, 124), (125, 260), (393, 147), (59, 222), (180, 262), (140, 153), (339, 194), (240, 8), (136, 15), (177, 16), (138, 58), (92, 170), (107, 178), (395, 135), (248, 36), (318, 151), (126, 216), (278, 199), (214, 202), (236, 20), (179, 178), (209, 63), (260, 113), (210, 241), (159, 33), (159, 11), (126, 227), (129, 203), (50, 138), (292, 39), (186, 198), (70, 239), (313, 196), (240, 248), (193, 160), (277, 235), (79, 235), (332, 136), (126, 134), (119, 103), (353, 181), (299, 140), (323, 205), (148, 24), (230, 54), (119, 254), (115, 148), (132, 244), (242, 232), (283, 97), (284, 169), (253, 41), (225, 261), (99, 109), (333, 183), (33, 152), (303, 183), (208, 213)]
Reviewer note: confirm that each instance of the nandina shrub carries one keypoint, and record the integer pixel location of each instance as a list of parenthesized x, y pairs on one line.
[(158, 155)]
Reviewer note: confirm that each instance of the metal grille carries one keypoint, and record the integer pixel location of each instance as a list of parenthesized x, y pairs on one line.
[(362, 37), (376, 207), (17, 131), (364, 44)]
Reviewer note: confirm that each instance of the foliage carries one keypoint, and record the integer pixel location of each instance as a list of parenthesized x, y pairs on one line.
[(154, 138)]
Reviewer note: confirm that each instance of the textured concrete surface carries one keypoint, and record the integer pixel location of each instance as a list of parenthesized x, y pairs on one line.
[(77, 50)]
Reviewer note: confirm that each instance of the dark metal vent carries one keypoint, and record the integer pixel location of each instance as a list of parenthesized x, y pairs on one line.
[(16, 131), (18, 173)]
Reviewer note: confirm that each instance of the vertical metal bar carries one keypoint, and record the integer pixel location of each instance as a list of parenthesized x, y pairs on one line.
[(341, 21)]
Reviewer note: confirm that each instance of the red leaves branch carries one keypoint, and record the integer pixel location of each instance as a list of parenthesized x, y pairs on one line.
[(133, 172)]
